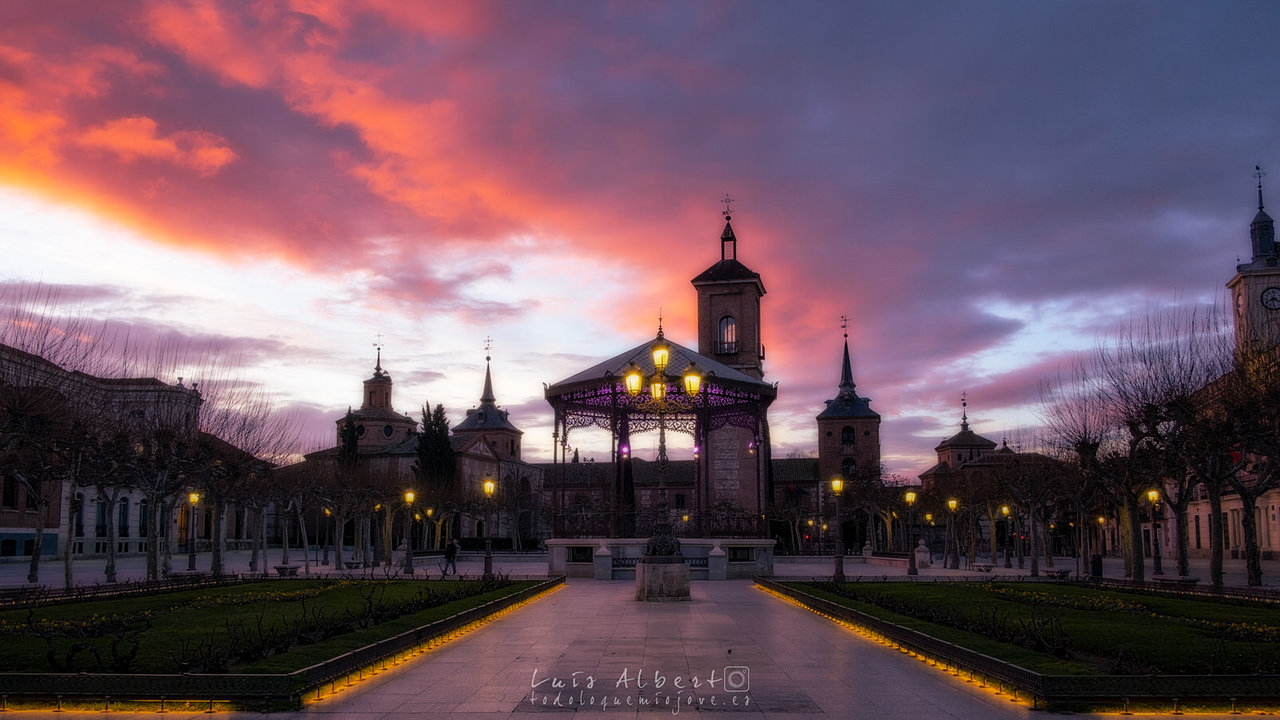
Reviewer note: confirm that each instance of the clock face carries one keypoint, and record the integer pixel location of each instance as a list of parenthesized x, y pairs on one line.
[(1271, 298)]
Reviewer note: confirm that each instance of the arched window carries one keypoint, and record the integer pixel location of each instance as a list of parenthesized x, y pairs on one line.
[(847, 467), (727, 339), (79, 514), (124, 518), (144, 518), (848, 435)]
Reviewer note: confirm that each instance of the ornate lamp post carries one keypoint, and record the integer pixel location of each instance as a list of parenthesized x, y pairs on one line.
[(408, 532), (952, 504), (1153, 496), (634, 381), (837, 485), (193, 498), (489, 488), (910, 497), (1008, 536)]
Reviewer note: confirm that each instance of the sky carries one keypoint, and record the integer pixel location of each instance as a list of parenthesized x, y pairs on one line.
[(985, 189)]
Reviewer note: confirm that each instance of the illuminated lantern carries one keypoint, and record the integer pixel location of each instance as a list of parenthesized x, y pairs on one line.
[(633, 380), (692, 380), (661, 354)]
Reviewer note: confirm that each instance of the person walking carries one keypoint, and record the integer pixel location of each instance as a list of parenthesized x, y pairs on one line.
[(451, 557)]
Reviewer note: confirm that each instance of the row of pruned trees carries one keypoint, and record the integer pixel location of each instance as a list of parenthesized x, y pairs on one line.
[(1177, 404)]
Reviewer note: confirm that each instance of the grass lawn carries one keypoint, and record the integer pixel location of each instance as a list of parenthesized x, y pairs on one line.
[(1071, 629), (275, 626)]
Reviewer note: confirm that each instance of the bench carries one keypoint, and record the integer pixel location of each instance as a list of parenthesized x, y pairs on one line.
[(287, 570), (983, 567), (1174, 580), (1058, 574)]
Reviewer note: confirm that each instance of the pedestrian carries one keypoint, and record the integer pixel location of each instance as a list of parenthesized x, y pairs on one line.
[(451, 557)]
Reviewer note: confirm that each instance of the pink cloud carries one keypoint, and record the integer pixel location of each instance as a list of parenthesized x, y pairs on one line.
[(137, 137)]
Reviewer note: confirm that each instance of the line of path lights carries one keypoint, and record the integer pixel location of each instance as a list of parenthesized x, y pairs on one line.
[(657, 403), (490, 487), (193, 498)]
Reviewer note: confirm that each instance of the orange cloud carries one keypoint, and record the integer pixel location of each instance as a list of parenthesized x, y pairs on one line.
[(134, 137)]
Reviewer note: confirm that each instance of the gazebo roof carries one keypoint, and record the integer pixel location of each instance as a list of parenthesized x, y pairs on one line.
[(614, 368)]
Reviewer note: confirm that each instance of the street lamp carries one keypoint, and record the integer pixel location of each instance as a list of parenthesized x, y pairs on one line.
[(193, 498), (634, 381), (910, 497), (837, 485), (408, 532), (952, 504), (1004, 510), (1153, 496), (325, 540), (489, 488)]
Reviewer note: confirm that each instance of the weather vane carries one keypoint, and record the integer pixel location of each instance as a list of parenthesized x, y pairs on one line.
[(844, 325), (1257, 172), (488, 344), (728, 202)]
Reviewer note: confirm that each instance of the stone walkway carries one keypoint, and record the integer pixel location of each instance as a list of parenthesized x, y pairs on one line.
[(750, 654)]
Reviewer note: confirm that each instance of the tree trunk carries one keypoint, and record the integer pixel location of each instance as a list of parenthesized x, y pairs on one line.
[(109, 502), (169, 537), (1129, 514), (68, 551), (1183, 550), (284, 536), (33, 570), (1249, 525), (216, 546), (261, 540), (1215, 538), (1033, 520), (339, 539), (991, 523), (302, 529), (386, 536)]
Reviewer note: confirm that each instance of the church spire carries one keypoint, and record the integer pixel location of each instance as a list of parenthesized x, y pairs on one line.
[(964, 411), (487, 398), (1262, 231), (846, 370)]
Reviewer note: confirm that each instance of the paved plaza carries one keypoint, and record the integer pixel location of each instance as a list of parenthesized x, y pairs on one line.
[(750, 654)]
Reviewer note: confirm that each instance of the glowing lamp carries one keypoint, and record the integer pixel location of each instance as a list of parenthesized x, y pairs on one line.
[(194, 498), (661, 355), (697, 451), (1153, 495), (684, 518), (1004, 510), (837, 484), (910, 497), (952, 503), (1101, 520), (430, 512), (625, 451), (408, 497), (633, 380), (928, 517), (692, 380), (810, 523), (417, 516), (327, 512), (489, 487), (658, 389)]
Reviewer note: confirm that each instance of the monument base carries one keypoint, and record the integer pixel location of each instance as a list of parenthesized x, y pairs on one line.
[(662, 579)]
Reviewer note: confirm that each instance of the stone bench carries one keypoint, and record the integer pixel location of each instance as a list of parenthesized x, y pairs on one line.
[(983, 567), (1174, 580), (287, 570), (1058, 574)]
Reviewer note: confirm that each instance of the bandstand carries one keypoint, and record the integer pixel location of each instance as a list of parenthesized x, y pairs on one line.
[(663, 386)]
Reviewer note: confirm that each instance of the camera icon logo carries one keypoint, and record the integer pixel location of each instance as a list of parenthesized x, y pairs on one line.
[(737, 679)]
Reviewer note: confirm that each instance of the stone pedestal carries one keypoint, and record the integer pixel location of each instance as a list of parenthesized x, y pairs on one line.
[(663, 578), (602, 563)]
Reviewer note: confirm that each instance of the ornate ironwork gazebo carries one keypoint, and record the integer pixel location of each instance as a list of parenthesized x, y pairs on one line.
[(599, 397)]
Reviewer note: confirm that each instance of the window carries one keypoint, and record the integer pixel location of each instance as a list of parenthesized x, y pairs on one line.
[(681, 501), (847, 467), (387, 430), (102, 517), (79, 514), (144, 521), (848, 435), (10, 492), (124, 518), (727, 339)]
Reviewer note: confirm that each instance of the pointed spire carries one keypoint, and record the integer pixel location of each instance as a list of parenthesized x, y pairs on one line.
[(728, 243), (846, 369), (487, 398), (377, 365), (964, 411), (1262, 231)]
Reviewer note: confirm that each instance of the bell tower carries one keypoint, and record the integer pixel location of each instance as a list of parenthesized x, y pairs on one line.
[(729, 308), (1255, 288)]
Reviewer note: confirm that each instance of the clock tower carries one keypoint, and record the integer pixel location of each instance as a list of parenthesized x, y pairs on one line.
[(1255, 288)]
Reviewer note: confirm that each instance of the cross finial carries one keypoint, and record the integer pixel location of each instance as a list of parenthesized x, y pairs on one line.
[(728, 202), (1257, 172), (378, 344), (844, 325), (964, 410), (488, 344), (659, 322)]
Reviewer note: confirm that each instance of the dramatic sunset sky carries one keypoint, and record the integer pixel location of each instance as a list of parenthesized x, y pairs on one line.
[(985, 188)]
